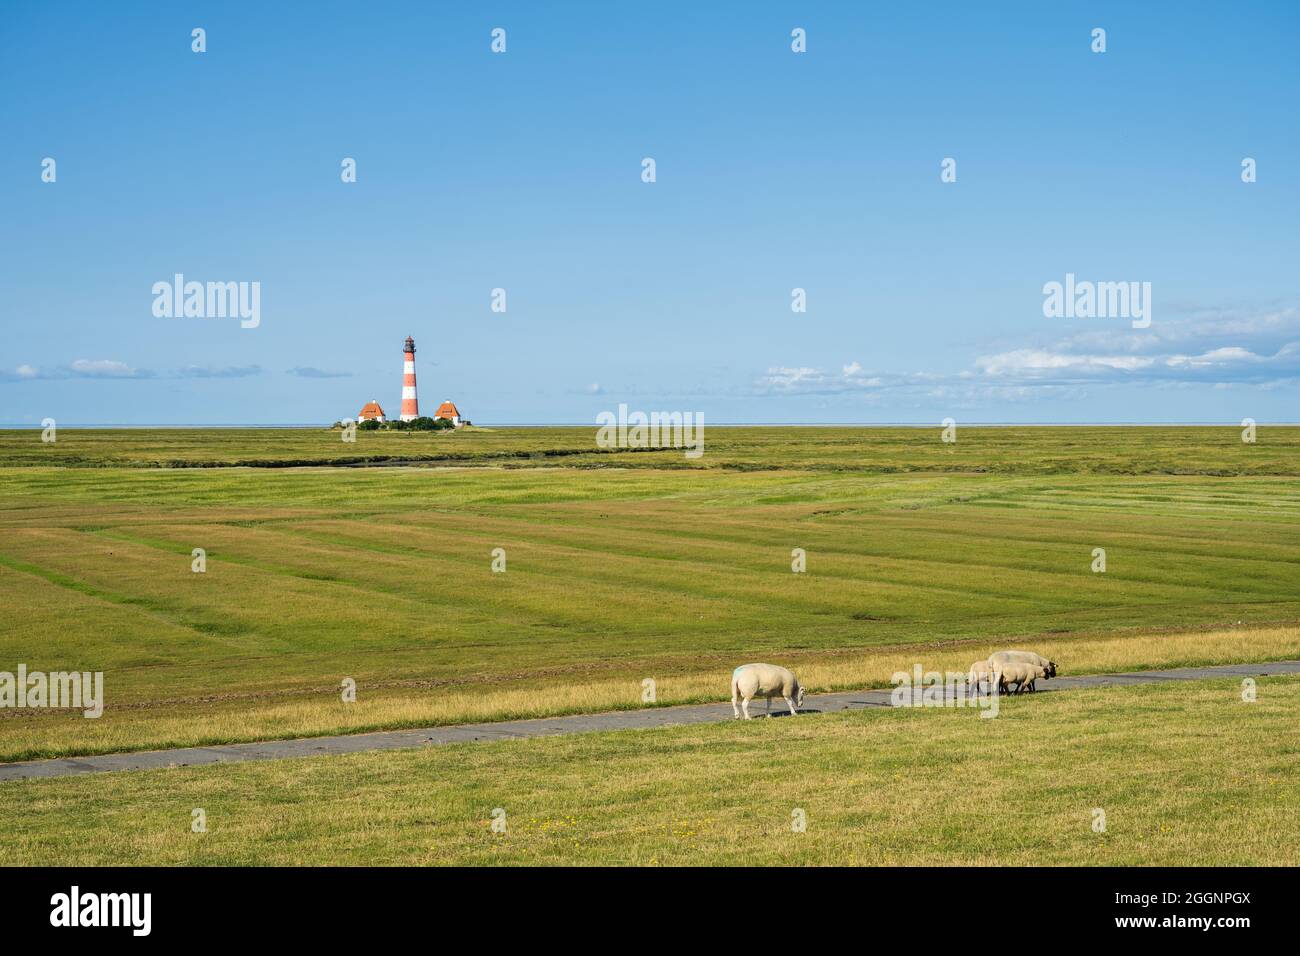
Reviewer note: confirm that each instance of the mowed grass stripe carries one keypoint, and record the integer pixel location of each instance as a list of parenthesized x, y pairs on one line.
[(1222, 497), (970, 545), (394, 577), (706, 569), (657, 536), (971, 558), (230, 605), (713, 560), (392, 488), (51, 632), (569, 569)]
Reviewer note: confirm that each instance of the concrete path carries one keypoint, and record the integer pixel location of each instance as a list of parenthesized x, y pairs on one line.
[(550, 726)]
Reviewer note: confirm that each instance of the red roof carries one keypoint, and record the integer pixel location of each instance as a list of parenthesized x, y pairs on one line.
[(369, 411), (447, 410)]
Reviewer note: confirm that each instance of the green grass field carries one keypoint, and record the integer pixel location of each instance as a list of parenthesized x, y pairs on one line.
[(619, 567), (1186, 774), (1016, 450)]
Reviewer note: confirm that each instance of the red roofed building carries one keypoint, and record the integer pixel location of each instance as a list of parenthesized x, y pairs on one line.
[(371, 412), (450, 412)]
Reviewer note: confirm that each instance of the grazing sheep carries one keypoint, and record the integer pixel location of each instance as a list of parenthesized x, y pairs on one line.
[(764, 680), (980, 671), (1018, 673), (1025, 657)]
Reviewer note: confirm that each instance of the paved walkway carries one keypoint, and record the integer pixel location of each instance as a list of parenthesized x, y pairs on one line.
[(551, 726)]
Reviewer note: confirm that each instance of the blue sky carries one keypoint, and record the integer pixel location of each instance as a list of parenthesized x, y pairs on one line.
[(775, 170)]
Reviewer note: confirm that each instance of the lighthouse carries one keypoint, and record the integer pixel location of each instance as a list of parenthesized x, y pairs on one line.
[(410, 404)]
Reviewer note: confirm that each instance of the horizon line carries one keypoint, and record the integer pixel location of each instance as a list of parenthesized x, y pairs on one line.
[(971, 424)]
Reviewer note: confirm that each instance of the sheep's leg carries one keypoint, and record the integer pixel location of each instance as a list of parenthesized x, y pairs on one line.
[(744, 705), (734, 709), (789, 703), (768, 712)]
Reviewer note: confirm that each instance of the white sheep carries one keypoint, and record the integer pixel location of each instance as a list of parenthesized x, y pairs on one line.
[(980, 671), (1019, 673), (764, 680), (1025, 657)]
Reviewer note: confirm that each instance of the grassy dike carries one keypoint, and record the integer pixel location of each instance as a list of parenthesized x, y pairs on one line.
[(1185, 773), (240, 719)]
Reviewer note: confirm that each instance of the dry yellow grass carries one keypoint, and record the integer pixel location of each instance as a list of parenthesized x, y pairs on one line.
[(236, 720)]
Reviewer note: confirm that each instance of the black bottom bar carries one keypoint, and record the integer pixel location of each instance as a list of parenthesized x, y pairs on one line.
[(301, 905)]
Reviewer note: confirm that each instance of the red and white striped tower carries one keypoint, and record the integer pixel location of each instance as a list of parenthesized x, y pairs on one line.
[(410, 404)]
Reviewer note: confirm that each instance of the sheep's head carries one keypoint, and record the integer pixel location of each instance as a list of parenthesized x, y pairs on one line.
[(798, 696), (1051, 668)]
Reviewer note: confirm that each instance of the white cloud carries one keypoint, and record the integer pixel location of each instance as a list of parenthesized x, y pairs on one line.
[(1226, 364), (102, 368), (1038, 361), (1261, 350), (783, 378), (1223, 356), (803, 380), (302, 371), (208, 371), (113, 369)]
